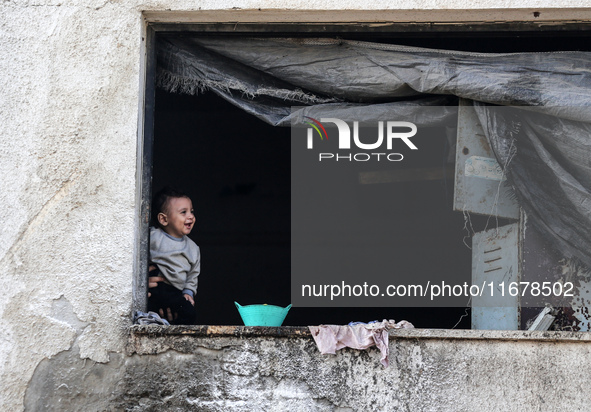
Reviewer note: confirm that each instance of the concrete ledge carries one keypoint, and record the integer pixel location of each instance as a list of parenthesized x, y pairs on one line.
[(239, 368), (498, 335), (303, 332), (221, 330)]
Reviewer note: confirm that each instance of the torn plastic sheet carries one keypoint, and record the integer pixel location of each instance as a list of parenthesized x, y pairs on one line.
[(353, 79), (550, 169), (356, 71), (186, 67)]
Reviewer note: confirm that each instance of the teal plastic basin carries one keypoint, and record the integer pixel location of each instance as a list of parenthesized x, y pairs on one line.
[(262, 315)]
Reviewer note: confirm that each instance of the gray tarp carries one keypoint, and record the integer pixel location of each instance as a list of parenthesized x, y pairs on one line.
[(548, 145)]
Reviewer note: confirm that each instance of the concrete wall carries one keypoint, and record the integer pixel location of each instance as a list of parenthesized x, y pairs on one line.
[(242, 369), (70, 108)]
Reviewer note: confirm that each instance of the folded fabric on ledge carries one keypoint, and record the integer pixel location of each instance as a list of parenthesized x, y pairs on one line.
[(150, 318), (330, 338)]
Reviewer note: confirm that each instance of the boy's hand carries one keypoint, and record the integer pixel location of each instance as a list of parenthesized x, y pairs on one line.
[(169, 315), (189, 298), (153, 282)]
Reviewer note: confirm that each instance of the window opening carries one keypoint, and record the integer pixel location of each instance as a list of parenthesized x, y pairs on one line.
[(236, 169)]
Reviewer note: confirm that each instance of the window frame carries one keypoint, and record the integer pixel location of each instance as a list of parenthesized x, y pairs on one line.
[(160, 22)]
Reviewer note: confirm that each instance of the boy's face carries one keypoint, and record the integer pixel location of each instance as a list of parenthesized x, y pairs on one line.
[(178, 219)]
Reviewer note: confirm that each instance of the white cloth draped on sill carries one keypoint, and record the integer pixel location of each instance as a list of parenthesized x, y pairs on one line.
[(330, 338)]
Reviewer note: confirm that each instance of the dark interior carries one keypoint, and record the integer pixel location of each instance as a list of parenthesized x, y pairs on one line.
[(236, 169)]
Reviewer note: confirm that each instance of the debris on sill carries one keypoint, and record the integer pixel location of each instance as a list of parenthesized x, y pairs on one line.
[(544, 320), (330, 338)]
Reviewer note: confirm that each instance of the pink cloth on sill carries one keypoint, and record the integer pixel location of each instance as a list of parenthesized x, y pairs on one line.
[(331, 338)]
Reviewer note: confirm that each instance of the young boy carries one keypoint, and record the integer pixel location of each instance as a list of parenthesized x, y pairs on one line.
[(176, 257)]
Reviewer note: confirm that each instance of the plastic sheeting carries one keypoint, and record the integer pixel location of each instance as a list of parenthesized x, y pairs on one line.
[(547, 148), (549, 162)]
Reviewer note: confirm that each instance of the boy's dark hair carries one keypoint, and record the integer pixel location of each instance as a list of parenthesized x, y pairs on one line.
[(160, 201)]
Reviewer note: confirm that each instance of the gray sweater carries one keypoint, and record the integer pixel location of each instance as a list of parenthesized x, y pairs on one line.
[(179, 260)]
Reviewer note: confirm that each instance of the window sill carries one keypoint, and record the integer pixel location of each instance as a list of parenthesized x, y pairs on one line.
[(221, 330), (304, 332)]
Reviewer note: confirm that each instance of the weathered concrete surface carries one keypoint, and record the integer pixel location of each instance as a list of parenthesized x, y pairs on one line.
[(70, 106), (67, 160), (245, 370)]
